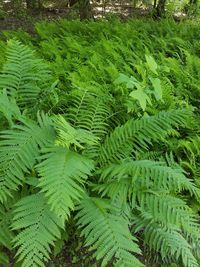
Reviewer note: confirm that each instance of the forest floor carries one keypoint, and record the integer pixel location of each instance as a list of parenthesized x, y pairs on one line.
[(26, 21), (23, 20)]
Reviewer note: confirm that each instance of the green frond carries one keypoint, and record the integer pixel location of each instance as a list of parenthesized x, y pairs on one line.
[(63, 174), (79, 102), (6, 235), (23, 76), (137, 135), (133, 176), (67, 135), (168, 210), (107, 233), (168, 241), (191, 147), (89, 111), (39, 228), (47, 133), (9, 108), (19, 149)]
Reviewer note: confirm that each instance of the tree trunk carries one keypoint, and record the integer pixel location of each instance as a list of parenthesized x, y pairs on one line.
[(85, 10), (155, 4), (33, 4), (160, 8), (30, 4)]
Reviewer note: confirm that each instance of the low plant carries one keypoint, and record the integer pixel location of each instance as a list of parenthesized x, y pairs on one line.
[(68, 155)]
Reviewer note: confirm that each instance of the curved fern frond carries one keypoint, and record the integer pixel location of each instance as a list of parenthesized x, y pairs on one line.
[(89, 112), (39, 228), (168, 210), (133, 176), (67, 135), (107, 233), (168, 241), (23, 76), (191, 147), (19, 149), (63, 174), (139, 134), (9, 108)]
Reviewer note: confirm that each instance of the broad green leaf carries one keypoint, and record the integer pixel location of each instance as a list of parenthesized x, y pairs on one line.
[(132, 82), (121, 79), (157, 88), (124, 79), (142, 98), (151, 64)]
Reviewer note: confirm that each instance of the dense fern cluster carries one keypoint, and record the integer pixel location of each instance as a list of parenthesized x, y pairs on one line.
[(87, 149)]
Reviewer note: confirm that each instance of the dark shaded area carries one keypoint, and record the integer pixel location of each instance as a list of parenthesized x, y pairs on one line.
[(23, 14)]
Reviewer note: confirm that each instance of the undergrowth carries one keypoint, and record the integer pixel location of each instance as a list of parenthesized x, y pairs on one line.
[(100, 134)]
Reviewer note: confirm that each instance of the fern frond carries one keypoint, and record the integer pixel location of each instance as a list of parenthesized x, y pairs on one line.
[(67, 135), (144, 175), (63, 174), (191, 147), (23, 76), (39, 228), (89, 112), (107, 233), (168, 210), (166, 240), (79, 101), (9, 108), (19, 149), (139, 134), (6, 235)]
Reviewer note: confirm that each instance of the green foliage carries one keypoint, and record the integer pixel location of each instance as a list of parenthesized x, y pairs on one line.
[(138, 134), (3, 14), (106, 135), (63, 174), (107, 232), (39, 229), (22, 74)]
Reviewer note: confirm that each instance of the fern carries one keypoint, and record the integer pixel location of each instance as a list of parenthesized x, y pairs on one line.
[(108, 233), (6, 235), (88, 111), (9, 108), (39, 227), (147, 175), (149, 187), (63, 174), (19, 149), (22, 74), (138, 135), (69, 136), (191, 148), (167, 240), (89, 159)]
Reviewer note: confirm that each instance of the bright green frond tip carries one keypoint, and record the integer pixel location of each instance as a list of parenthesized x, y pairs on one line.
[(63, 174)]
